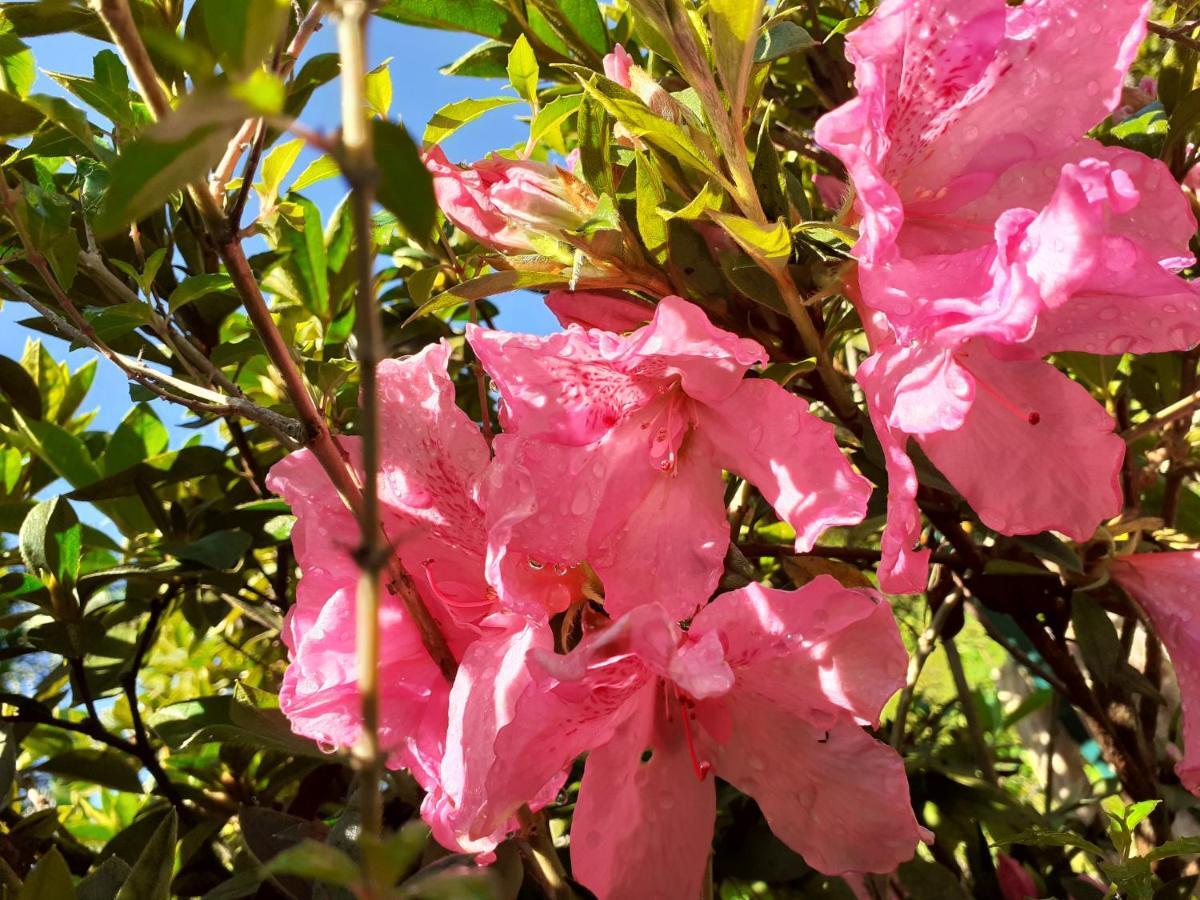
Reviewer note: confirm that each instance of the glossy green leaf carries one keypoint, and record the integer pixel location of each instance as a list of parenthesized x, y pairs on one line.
[(454, 116), (487, 18), (523, 70), (405, 188), (51, 540), (780, 39), (194, 287)]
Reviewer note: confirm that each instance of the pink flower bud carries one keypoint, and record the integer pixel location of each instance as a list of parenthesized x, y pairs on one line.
[(503, 203), (617, 65)]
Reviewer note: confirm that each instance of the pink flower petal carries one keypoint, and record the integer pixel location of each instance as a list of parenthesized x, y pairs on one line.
[(815, 652), (614, 312), (1166, 586), (642, 829), (767, 436), (1035, 452), (834, 794)]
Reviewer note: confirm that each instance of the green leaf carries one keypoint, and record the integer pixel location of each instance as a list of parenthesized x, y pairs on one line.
[(650, 195), (454, 116), (113, 322), (177, 150), (217, 550), (379, 89), (780, 39), (628, 109), (523, 71), (188, 464), (104, 881), (734, 25), (317, 170), (1054, 839), (315, 861), (240, 32), (150, 878), (17, 118), (552, 114), (140, 436), (486, 286), (581, 18), (20, 389), (194, 287), (1096, 637), (51, 540), (306, 262), (106, 767), (1188, 846), (486, 60), (50, 878), (767, 244), (405, 187), (73, 119), (17, 70), (486, 18), (106, 93), (8, 760), (223, 719)]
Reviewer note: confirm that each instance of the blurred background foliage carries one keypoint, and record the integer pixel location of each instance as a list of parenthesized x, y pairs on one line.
[(147, 568)]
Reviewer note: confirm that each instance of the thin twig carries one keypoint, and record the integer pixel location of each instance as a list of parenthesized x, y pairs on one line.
[(1164, 417), (1172, 34), (925, 646), (966, 699)]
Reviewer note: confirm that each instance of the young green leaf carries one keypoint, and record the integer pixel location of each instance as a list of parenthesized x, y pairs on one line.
[(49, 878), (150, 878), (523, 71), (454, 116)]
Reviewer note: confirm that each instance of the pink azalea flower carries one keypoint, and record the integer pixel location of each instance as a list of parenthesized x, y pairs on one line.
[(617, 65), (432, 457), (1165, 586), (614, 312), (992, 234), (1016, 883), (767, 689), (505, 203), (615, 446)]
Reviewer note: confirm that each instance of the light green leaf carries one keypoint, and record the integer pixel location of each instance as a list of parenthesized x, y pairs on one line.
[(552, 114), (17, 71), (768, 244), (140, 436), (66, 455), (241, 32), (17, 118), (194, 287), (317, 170), (454, 116), (379, 89), (650, 195), (275, 167), (523, 70), (734, 25)]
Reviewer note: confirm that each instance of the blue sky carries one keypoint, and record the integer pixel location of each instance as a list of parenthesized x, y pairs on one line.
[(419, 90)]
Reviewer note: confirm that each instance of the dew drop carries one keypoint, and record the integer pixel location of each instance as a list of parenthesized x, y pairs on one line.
[(1120, 344), (581, 502), (535, 565), (1108, 314)]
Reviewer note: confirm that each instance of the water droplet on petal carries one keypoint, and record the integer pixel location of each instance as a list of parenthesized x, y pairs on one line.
[(1108, 314), (535, 565), (418, 498)]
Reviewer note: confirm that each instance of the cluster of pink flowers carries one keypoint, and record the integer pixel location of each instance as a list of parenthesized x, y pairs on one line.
[(572, 567)]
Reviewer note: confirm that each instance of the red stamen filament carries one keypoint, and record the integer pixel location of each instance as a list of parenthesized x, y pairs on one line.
[(1029, 416), (699, 766)]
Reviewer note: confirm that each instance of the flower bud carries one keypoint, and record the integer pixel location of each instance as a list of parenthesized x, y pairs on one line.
[(506, 204)]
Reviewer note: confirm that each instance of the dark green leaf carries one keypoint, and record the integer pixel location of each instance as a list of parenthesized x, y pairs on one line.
[(486, 286), (316, 861), (483, 17), (305, 262), (20, 389), (1096, 637), (487, 60), (150, 878), (405, 187), (194, 287), (780, 39), (17, 117), (50, 878), (104, 881), (109, 768), (216, 550), (582, 18)]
